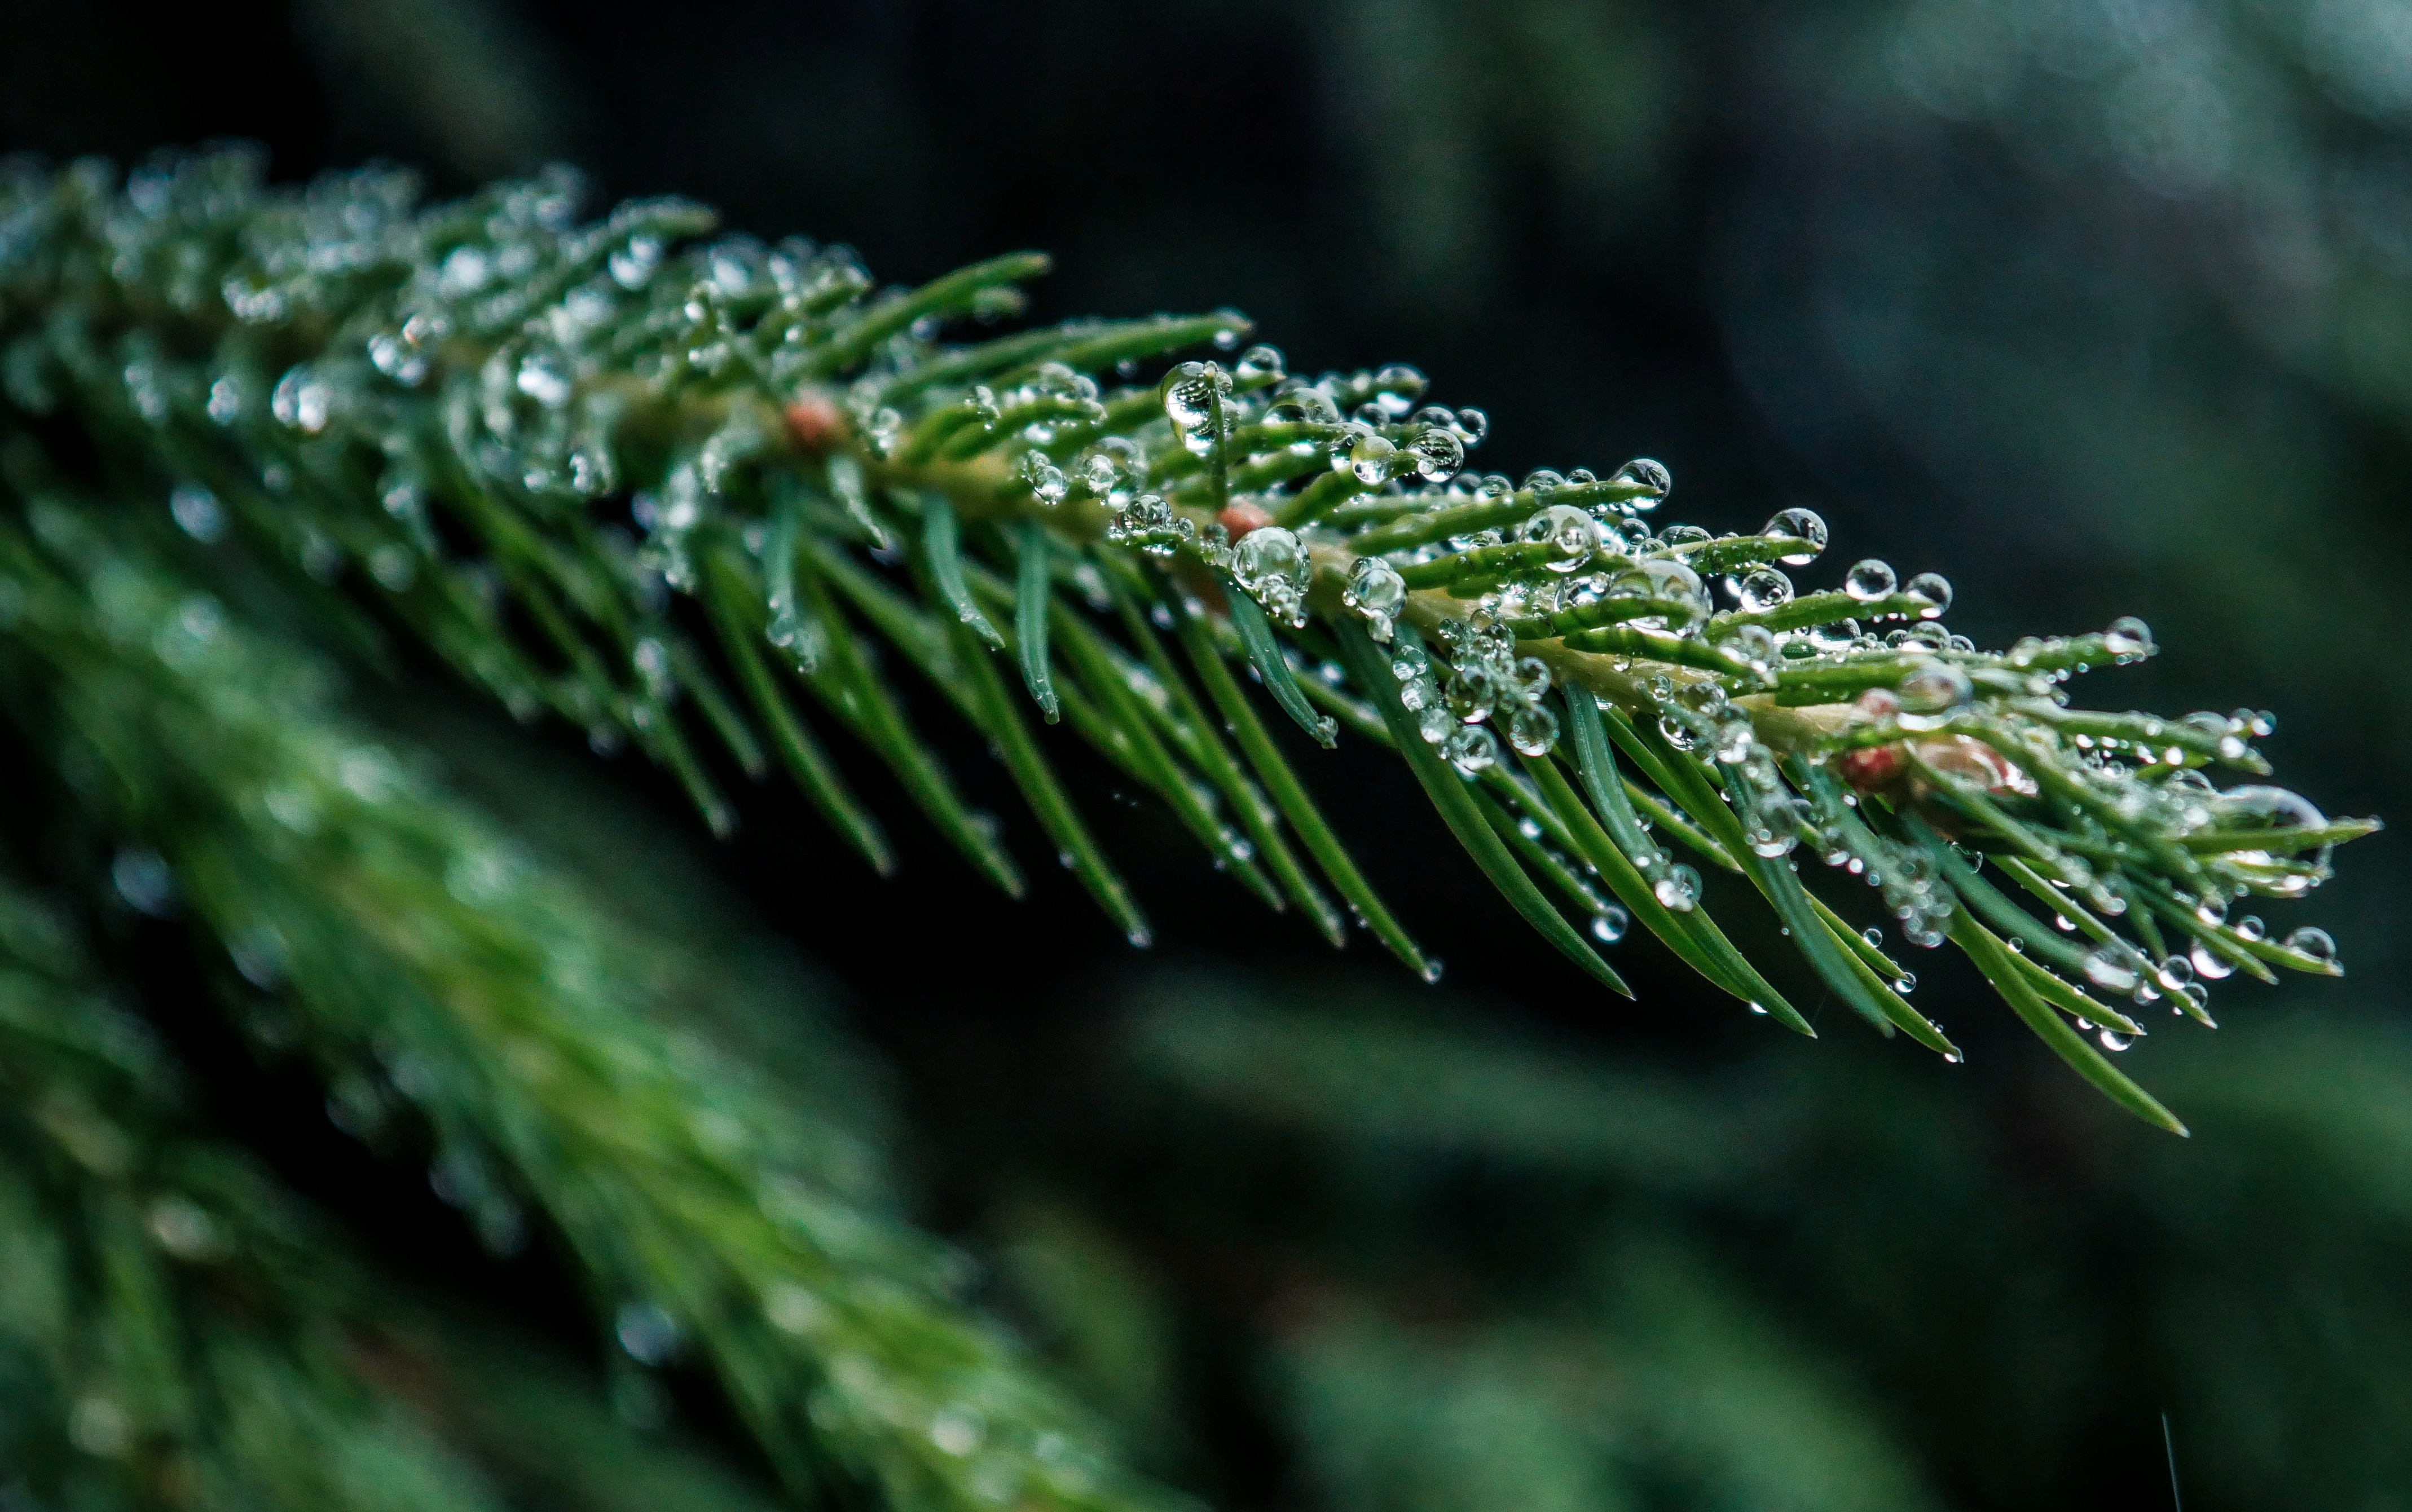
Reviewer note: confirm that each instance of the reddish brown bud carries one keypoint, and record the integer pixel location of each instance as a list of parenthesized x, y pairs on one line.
[(1870, 766), (1242, 516), (816, 422)]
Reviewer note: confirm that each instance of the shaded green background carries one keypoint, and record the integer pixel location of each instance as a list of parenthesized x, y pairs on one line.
[(2098, 306)]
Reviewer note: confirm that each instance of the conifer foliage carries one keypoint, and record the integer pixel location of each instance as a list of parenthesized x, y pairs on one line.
[(720, 501)]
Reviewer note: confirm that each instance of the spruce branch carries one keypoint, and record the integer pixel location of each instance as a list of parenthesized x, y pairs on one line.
[(524, 441), (466, 1007)]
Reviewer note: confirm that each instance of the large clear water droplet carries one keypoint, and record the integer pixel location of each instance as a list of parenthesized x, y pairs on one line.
[(1834, 637), (2105, 969), (2209, 964), (1470, 749), (1378, 592), (1570, 534), (1533, 730), (1648, 477), (1764, 589), (1369, 457), (1935, 590), (1869, 579), (1299, 403), (1192, 394), (2315, 943), (2128, 637), (1266, 554), (1801, 524), (1438, 453)]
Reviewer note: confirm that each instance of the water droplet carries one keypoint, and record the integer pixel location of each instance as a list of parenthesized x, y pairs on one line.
[(1193, 392), (1470, 749), (196, 512), (956, 1430), (2209, 964), (1260, 364), (2128, 637), (1869, 579), (1935, 590), (2106, 970), (1474, 688), (1571, 534), (1368, 456), (1935, 688), (1648, 479), (100, 1428), (303, 401), (1533, 730), (592, 471), (632, 266), (544, 376), (1678, 888), (1298, 402), (1045, 479), (2265, 808), (2114, 1041), (2314, 943), (1875, 937), (1609, 925), (1764, 589), (1438, 453), (1803, 524), (647, 1332), (1267, 553), (1377, 591), (143, 880), (885, 431), (1770, 842), (1905, 982)]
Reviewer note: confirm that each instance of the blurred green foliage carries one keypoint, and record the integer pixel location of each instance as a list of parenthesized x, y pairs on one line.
[(1455, 1257)]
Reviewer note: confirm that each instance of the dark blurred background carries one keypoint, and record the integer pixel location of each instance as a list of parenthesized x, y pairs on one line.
[(2096, 306)]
